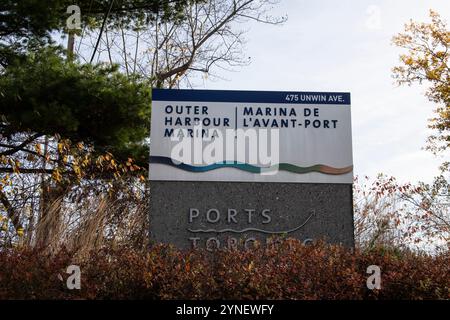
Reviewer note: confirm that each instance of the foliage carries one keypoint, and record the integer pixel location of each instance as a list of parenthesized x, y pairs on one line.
[(92, 104), (427, 60), (35, 18), (401, 215), (31, 18), (25, 24), (63, 124), (81, 216), (287, 271), (432, 214), (378, 216)]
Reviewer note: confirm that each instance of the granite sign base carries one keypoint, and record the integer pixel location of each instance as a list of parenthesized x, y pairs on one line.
[(223, 215)]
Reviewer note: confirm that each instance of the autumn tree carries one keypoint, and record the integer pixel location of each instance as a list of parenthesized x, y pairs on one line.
[(427, 61)]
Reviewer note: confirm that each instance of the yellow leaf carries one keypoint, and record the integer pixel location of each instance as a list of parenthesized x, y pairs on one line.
[(56, 175), (409, 61), (77, 170)]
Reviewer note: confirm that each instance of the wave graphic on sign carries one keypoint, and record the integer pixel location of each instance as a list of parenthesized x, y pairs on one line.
[(321, 168)]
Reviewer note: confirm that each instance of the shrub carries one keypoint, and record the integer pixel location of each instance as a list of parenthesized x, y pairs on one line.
[(286, 271)]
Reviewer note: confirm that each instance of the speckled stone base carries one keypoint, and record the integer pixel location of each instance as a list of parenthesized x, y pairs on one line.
[(235, 214)]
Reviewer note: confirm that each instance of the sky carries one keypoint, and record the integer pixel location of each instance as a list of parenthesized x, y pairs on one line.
[(345, 46)]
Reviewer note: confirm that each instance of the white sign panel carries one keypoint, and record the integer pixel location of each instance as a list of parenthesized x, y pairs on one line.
[(251, 136)]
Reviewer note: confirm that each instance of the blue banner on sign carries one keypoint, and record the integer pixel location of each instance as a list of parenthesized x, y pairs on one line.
[(335, 98)]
